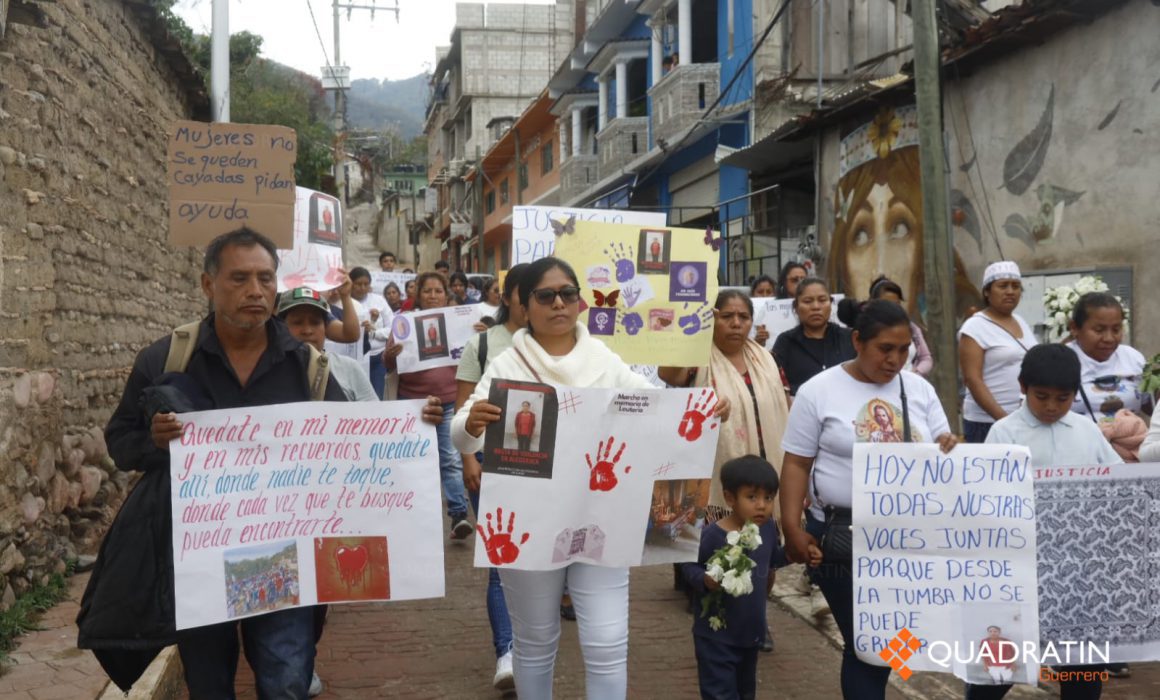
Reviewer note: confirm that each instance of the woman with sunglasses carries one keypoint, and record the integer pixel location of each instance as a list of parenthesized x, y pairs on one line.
[(554, 348)]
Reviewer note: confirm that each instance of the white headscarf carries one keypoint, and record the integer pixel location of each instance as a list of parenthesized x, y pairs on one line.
[(1002, 270)]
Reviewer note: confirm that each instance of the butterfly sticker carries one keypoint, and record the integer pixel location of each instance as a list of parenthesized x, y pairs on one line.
[(608, 300), (714, 243), (568, 226)]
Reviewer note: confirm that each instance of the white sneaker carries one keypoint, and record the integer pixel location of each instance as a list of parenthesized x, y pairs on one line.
[(461, 529), (818, 605), (505, 678), (315, 687)]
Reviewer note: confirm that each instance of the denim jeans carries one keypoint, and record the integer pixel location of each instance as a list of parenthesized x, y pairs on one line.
[(600, 596), (725, 672), (378, 373), (860, 680), (975, 432), (497, 612), (451, 467), (279, 647)]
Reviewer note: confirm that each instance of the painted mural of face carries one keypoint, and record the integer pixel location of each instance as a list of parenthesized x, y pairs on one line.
[(884, 241)]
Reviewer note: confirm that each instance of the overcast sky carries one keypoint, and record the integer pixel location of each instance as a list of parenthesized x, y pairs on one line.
[(373, 49)]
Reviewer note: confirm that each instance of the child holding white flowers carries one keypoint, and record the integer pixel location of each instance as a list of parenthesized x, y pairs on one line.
[(731, 579)]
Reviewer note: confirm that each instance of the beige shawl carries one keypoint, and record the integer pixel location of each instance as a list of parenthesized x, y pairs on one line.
[(739, 433)]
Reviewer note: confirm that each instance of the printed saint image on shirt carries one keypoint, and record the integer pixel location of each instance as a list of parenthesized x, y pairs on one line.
[(881, 421)]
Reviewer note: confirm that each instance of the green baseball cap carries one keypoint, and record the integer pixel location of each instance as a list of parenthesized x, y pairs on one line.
[(301, 296)]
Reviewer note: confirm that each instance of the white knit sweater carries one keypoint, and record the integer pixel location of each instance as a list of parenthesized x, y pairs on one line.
[(590, 364)]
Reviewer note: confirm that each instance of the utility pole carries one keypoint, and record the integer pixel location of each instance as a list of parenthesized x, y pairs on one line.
[(938, 255), (219, 70), (339, 81)]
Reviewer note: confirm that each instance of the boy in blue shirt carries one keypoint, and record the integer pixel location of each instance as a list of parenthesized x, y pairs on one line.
[(727, 658), (1056, 437)]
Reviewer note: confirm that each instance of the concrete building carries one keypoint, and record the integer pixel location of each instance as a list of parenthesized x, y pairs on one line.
[(499, 59), (402, 214), (521, 168), (1050, 122)]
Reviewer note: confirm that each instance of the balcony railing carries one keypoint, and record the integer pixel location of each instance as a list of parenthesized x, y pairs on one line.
[(577, 174), (621, 141), (682, 96)]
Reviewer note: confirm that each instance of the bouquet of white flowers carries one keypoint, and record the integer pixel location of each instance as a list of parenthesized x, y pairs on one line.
[(1060, 301), (733, 569)]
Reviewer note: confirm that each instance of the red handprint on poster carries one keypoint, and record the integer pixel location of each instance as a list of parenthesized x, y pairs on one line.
[(693, 422), (498, 543), (602, 475)]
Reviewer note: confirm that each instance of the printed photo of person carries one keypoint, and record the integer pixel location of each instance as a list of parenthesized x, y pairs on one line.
[(523, 442), (994, 634), (325, 220), (655, 247), (431, 334)]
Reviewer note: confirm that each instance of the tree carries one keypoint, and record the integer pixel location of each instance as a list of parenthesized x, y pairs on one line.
[(265, 92)]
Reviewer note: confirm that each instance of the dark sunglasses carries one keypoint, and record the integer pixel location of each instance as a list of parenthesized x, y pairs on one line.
[(547, 297)]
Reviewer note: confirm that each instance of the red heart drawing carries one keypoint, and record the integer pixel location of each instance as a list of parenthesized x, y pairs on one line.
[(352, 564)]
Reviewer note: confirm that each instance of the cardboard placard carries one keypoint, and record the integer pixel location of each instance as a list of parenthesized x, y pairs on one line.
[(224, 176)]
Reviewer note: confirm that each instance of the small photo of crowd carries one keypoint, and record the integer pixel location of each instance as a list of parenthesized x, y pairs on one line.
[(261, 579)]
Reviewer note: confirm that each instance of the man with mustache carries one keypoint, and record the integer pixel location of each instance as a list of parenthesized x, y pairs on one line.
[(241, 357)]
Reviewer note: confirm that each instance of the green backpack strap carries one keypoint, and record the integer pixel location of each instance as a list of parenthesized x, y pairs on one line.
[(317, 373), (181, 346)]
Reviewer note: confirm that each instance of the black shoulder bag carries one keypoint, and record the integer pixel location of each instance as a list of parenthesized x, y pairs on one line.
[(837, 543)]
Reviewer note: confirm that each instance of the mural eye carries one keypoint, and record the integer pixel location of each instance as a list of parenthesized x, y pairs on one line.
[(861, 237), (900, 230)]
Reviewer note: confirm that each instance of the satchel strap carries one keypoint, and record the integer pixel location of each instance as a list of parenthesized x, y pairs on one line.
[(528, 365)]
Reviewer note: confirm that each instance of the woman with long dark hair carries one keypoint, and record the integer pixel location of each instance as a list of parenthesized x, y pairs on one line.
[(555, 348), (440, 381), (867, 399)]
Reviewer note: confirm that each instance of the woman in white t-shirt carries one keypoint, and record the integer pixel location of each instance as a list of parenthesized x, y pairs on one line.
[(867, 399), (992, 344), (1110, 372)]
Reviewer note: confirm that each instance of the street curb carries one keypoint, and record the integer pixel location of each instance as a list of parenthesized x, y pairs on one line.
[(161, 680)]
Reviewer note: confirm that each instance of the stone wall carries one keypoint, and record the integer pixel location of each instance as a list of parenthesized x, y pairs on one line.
[(86, 276)]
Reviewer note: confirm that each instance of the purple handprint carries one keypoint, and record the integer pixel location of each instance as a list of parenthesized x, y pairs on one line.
[(456, 353), (632, 323), (621, 256), (695, 321)]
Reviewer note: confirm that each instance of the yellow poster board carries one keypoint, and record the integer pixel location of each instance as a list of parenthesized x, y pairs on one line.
[(648, 291)]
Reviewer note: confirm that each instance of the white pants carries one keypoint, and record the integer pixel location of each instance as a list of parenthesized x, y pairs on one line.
[(600, 597)]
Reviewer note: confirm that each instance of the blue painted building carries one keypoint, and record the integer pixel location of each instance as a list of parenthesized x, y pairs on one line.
[(649, 99)]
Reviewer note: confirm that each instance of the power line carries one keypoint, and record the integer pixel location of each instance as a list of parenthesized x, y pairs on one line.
[(721, 93), (321, 43)]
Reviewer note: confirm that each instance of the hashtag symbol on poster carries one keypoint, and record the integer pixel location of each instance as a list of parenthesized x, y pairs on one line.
[(570, 403), (664, 469)]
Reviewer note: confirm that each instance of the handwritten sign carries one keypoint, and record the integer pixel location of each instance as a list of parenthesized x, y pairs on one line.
[(777, 315), (224, 176), (649, 292), (316, 257), (300, 504), (434, 337), (1097, 555), (578, 480), (534, 237), (944, 546), (380, 280)]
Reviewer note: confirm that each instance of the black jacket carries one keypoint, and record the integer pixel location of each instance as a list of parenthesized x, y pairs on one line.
[(801, 359), (127, 614)]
